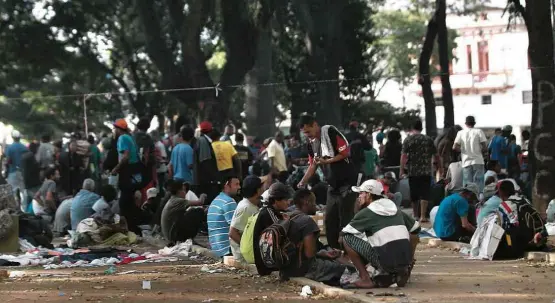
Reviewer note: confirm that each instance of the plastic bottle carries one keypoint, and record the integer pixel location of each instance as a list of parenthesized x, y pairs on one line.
[(110, 271)]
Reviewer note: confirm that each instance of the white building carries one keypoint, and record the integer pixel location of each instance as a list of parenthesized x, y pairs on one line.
[(490, 76)]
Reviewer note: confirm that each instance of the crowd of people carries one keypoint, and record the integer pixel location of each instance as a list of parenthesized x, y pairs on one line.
[(255, 198)]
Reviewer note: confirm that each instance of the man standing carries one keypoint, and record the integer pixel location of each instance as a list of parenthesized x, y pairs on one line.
[(129, 171), (276, 154), (417, 154), (14, 152), (471, 142), (207, 175), (181, 161), (245, 155), (329, 150), (358, 145), (220, 214), (226, 156), (45, 153)]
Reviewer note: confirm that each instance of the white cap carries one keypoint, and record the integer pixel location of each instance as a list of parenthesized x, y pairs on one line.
[(16, 134), (151, 193), (370, 186)]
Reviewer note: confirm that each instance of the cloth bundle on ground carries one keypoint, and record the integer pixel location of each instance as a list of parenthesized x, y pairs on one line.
[(93, 231)]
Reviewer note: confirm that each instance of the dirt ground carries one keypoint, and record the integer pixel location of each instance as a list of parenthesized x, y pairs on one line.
[(182, 281), (440, 275)]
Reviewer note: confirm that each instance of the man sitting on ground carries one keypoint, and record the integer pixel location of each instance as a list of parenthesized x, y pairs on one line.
[(219, 217), (180, 220), (252, 190), (454, 219), (387, 181), (315, 263), (279, 197), (379, 235), (81, 207)]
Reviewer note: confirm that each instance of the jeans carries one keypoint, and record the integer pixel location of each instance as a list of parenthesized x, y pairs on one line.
[(474, 174), (340, 208), (398, 199)]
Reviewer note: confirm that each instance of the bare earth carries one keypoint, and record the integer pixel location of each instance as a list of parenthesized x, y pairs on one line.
[(440, 276)]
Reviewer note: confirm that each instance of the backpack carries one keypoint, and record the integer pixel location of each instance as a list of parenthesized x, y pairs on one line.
[(247, 240), (529, 219), (147, 155), (276, 249)]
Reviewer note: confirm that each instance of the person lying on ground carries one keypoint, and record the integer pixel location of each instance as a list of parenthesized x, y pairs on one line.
[(219, 217), (279, 197), (252, 190), (313, 263), (181, 218), (379, 235), (454, 219)]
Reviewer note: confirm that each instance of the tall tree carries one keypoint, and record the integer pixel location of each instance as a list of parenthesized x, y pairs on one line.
[(537, 17), (425, 79), (444, 61)]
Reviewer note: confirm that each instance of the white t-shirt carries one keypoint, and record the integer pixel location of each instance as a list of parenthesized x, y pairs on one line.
[(275, 150), (470, 140), (245, 209), (455, 173)]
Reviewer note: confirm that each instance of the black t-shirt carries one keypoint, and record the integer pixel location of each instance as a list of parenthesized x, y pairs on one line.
[(338, 174), (301, 226), (245, 155), (31, 170)]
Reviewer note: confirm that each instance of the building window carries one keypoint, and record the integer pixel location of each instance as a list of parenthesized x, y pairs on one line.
[(469, 58), (438, 101), (483, 57), (486, 100), (527, 97)]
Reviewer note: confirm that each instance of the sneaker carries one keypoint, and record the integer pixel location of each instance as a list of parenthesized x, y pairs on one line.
[(402, 278)]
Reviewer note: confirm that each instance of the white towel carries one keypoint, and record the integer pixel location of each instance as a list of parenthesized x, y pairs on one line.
[(326, 146)]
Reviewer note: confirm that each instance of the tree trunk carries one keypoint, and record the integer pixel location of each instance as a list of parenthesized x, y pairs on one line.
[(259, 107), (542, 144), (425, 79), (446, 91)]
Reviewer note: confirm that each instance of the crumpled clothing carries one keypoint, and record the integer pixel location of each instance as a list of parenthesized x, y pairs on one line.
[(180, 249), (120, 239), (128, 260), (88, 226)]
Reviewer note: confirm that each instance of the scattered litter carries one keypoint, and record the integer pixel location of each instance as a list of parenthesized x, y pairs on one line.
[(209, 300), (14, 274), (465, 251), (127, 272), (98, 287), (53, 275), (388, 294), (147, 285), (204, 268), (306, 291), (61, 294), (110, 271)]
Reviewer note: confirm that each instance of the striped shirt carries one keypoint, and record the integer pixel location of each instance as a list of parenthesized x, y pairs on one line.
[(219, 218)]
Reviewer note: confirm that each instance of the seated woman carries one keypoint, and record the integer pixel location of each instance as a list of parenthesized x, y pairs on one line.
[(181, 218), (380, 235), (46, 198)]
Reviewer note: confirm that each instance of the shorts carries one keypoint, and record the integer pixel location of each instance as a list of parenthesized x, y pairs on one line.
[(420, 188)]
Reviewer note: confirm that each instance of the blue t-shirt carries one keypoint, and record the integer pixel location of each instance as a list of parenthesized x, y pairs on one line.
[(82, 206), (490, 207), (451, 208), (126, 143), (14, 153), (497, 147), (181, 160), (219, 218)]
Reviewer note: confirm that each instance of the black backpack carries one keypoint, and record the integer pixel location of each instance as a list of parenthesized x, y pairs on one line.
[(276, 249)]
